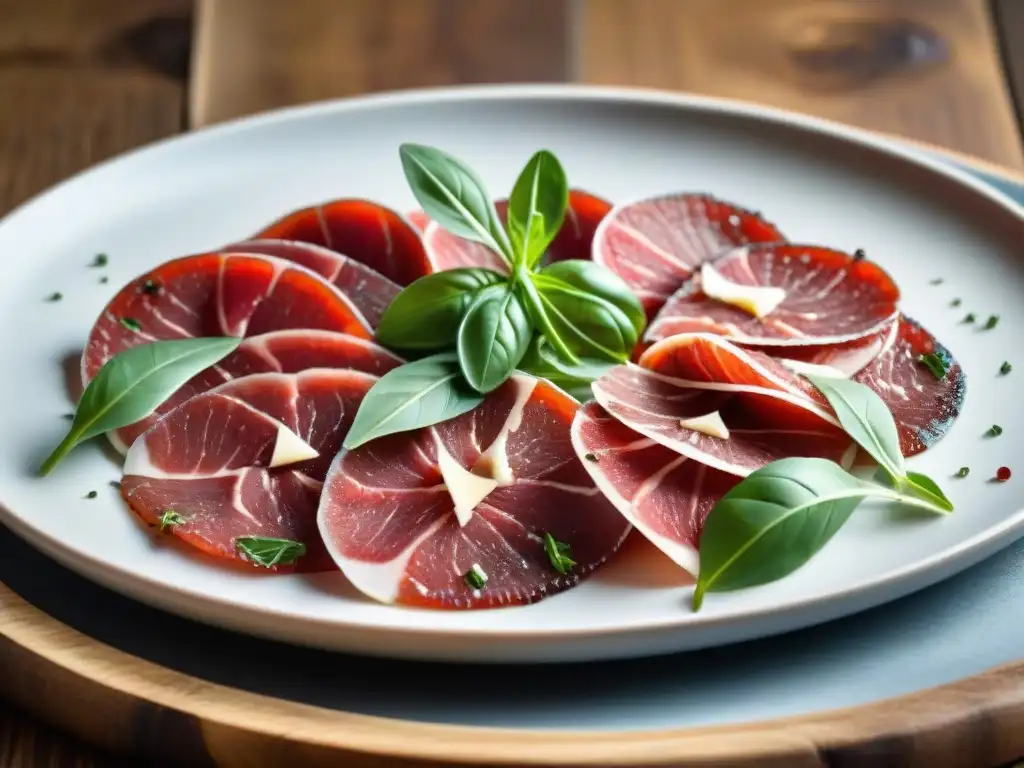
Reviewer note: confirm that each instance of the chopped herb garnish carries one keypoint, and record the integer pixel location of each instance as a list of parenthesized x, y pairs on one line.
[(91, 495), (55, 296), (152, 287), (131, 323), (1005, 368), (935, 363), (994, 431), (955, 303), (590, 457), (991, 323), (936, 281), (269, 552), (104, 279), (100, 260), (963, 472), (558, 554), (859, 255), (475, 577), (115, 484), (169, 519), (68, 416), (970, 317)]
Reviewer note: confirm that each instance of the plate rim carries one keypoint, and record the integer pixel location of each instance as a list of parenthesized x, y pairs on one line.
[(153, 592)]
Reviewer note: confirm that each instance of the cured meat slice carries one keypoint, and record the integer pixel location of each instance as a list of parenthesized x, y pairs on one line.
[(418, 219), (280, 351), (573, 241), (843, 359), (664, 495), (656, 244), (390, 517), (218, 294), (923, 406), (221, 461), (827, 297), (732, 409), (363, 230), (369, 290)]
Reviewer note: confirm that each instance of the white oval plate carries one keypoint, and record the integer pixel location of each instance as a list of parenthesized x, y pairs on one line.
[(818, 181)]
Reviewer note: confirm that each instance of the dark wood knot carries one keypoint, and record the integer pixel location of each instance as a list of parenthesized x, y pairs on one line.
[(854, 52)]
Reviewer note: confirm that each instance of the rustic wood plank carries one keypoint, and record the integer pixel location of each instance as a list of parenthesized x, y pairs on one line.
[(254, 55), (927, 69), (80, 81), (1009, 20)]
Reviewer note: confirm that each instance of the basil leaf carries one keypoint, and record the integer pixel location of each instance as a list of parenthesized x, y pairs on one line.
[(414, 395), (134, 383), (493, 337), (539, 315), (269, 552), (587, 324), (597, 280), (453, 195), (866, 419), (427, 313), (536, 207), (926, 489), (575, 379), (773, 522)]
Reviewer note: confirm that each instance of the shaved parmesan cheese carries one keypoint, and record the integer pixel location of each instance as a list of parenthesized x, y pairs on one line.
[(756, 299), (289, 448), (494, 461), (466, 489), (813, 369), (709, 424)]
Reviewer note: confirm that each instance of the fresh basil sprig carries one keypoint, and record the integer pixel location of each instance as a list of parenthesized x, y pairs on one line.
[(867, 419), (414, 395), (493, 337), (536, 208), (134, 383), (427, 314), (454, 196), (269, 552)]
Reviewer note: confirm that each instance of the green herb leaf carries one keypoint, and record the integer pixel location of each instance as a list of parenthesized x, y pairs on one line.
[(923, 487), (475, 577), (427, 313), (269, 552), (541, 361), (536, 207), (131, 385), (591, 457), (937, 363), (169, 519), (773, 522), (1005, 368), (55, 296), (453, 195), (586, 324), (558, 553), (100, 260), (131, 324), (592, 278), (493, 337), (992, 322), (995, 431), (91, 495), (866, 419), (414, 395), (963, 472), (970, 317)]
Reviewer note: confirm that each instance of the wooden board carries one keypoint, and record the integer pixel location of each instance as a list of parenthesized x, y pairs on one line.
[(81, 80)]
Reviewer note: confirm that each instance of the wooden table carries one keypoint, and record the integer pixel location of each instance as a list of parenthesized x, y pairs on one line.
[(81, 80)]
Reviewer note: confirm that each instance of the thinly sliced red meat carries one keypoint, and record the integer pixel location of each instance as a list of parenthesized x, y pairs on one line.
[(573, 241), (923, 406), (656, 244), (770, 412), (218, 294), (363, 230), (664, 495), (369, 290), (280, 352), (846, 358), (831, 297), (209, 461), (418, 219), (388, 518)]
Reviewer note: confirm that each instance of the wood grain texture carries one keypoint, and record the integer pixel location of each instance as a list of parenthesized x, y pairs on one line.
[(1009, 18), (80, 81), (254, 55), (927, 69), (131, 706)]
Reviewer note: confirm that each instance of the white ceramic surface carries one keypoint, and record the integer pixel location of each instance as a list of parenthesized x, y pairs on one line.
[(818, 182)]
